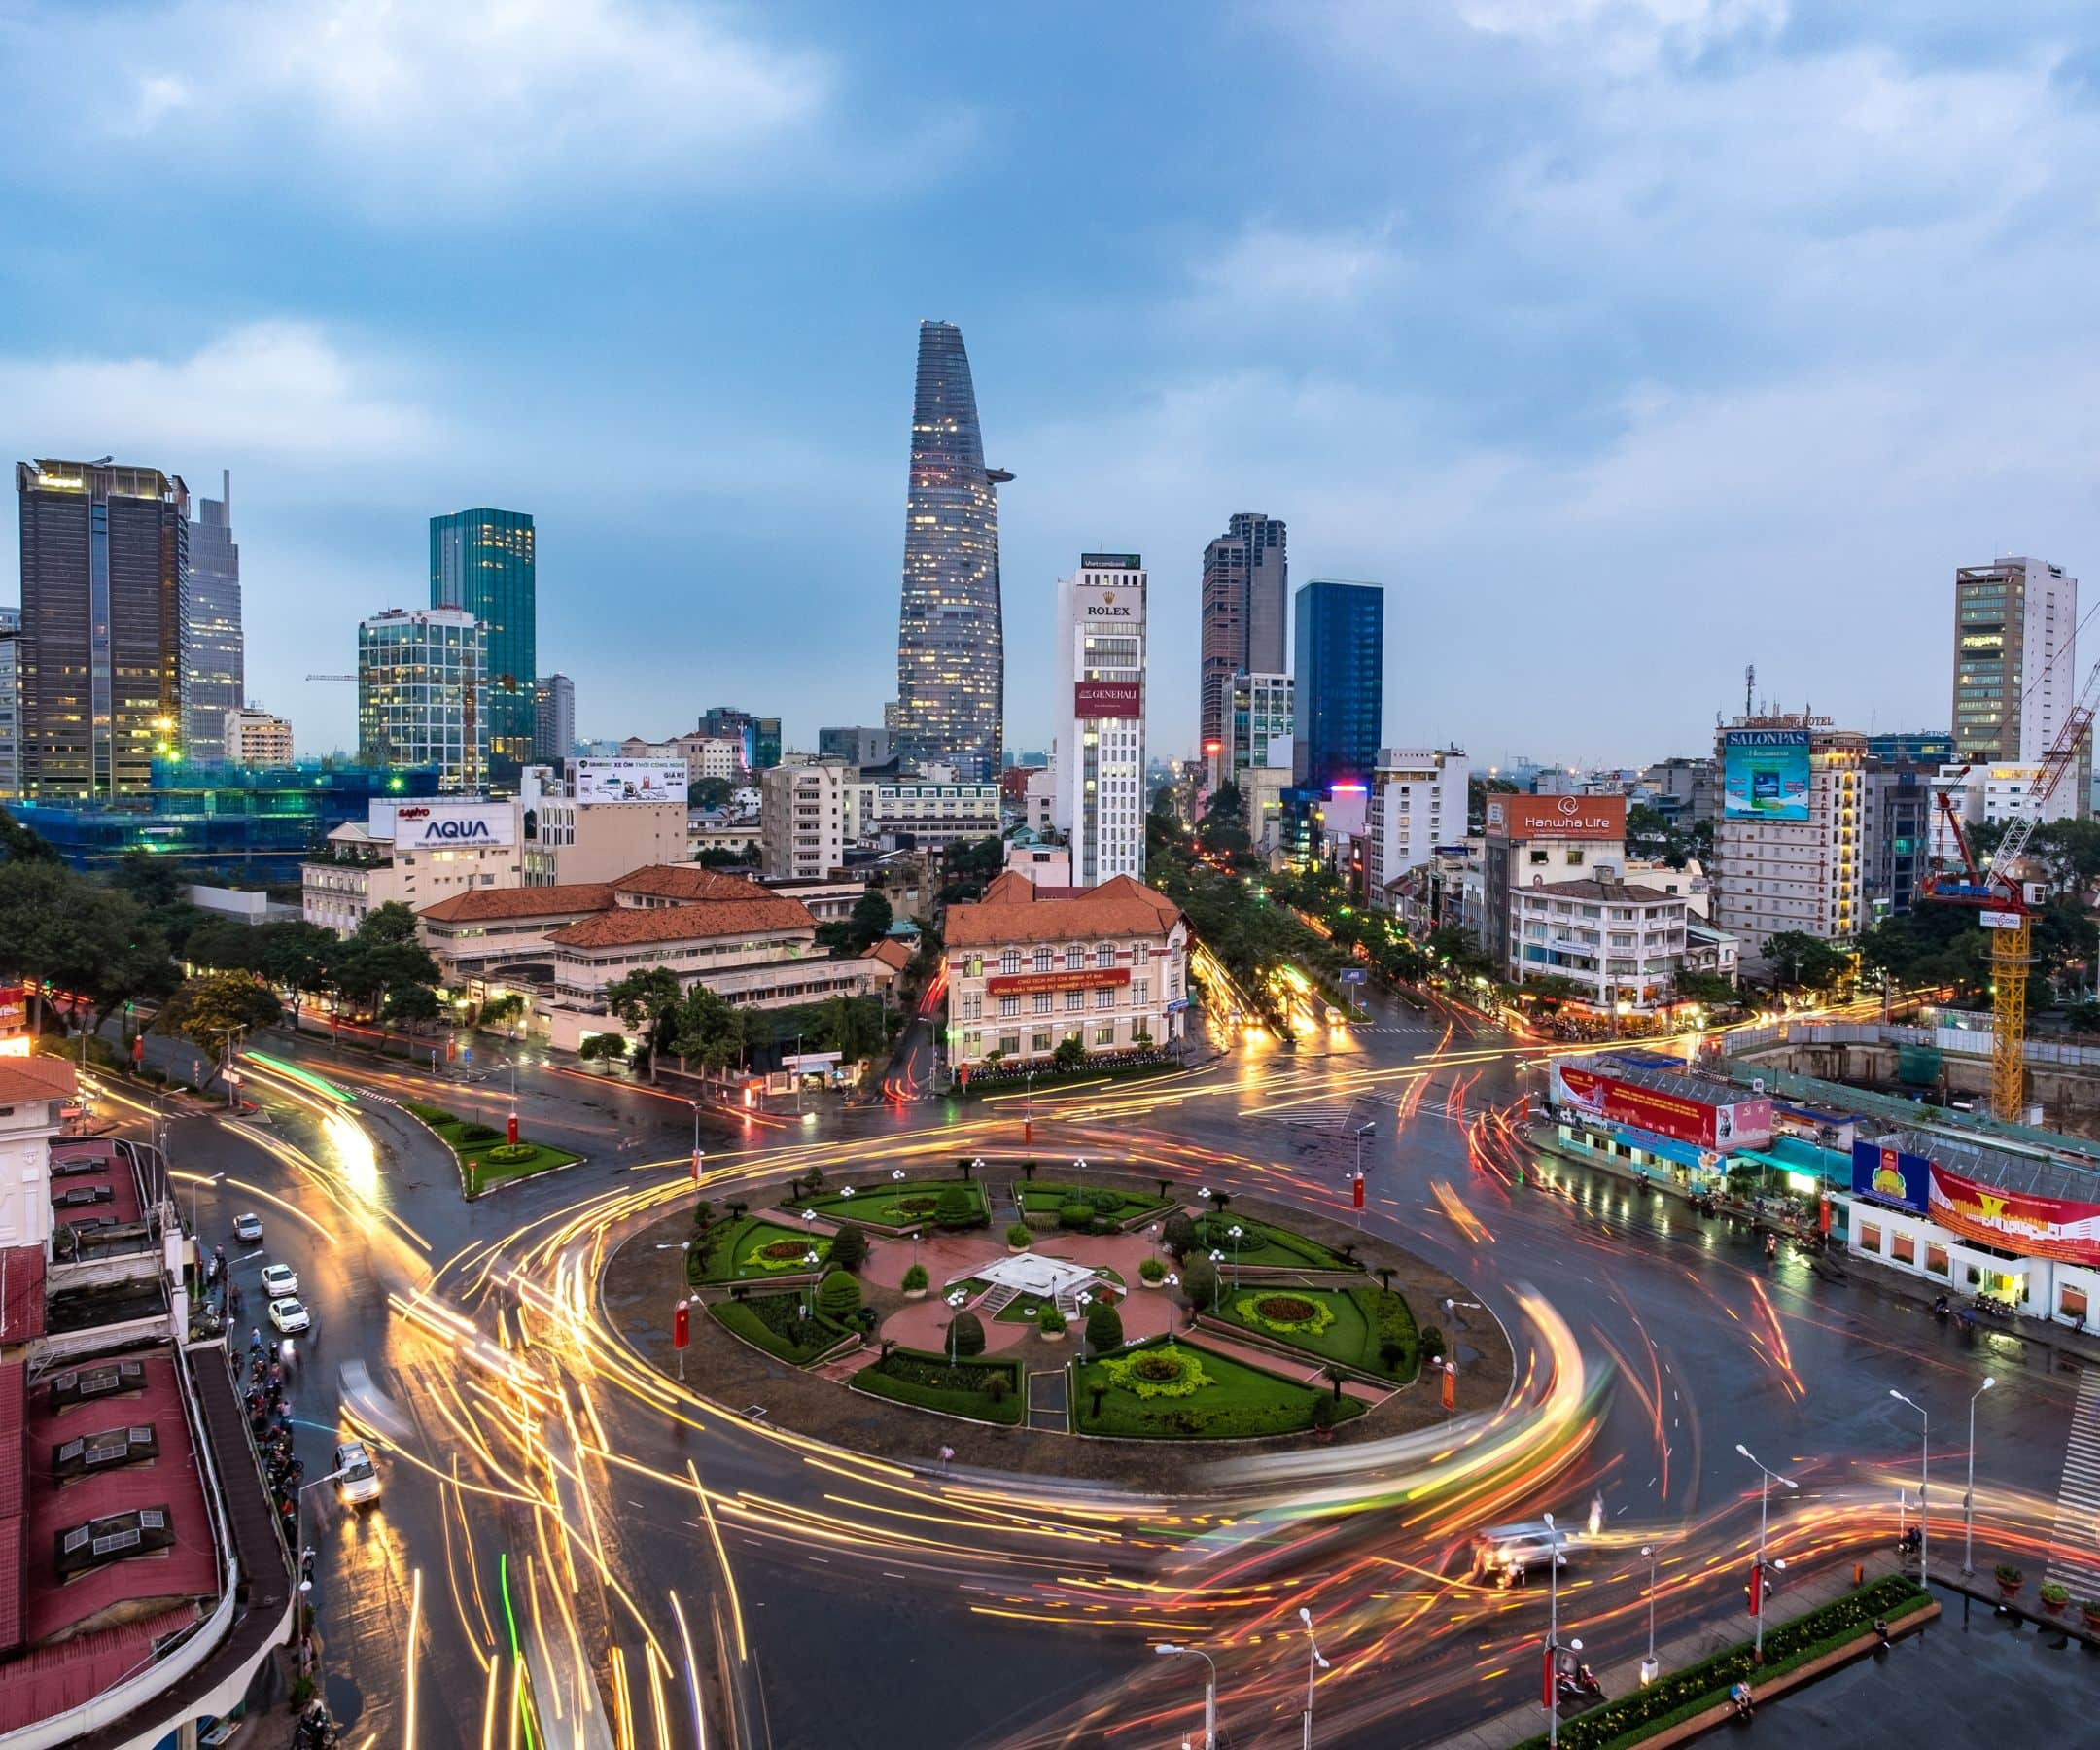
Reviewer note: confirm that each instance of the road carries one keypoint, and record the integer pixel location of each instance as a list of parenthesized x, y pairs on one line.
[(809, 1599)]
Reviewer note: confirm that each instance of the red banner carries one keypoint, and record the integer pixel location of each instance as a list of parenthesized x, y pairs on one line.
[(1705, 1123), (2035, 1227), (1091, 978), (1107, 698)]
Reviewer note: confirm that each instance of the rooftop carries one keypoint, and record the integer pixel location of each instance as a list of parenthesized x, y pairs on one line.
[(1014, 910), (27, 1078), (1619, 892), (92, 1183), (480, 905), (685, 883), (629, 926)]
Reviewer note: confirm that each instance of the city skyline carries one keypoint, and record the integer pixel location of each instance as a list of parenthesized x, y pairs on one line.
[(1434, 364)]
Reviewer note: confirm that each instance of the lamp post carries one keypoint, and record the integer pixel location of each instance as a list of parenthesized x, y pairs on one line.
[(1210, 1691), (1553, 1632), (1082, 1299), (956, 1303), (232, 1100), (298, 1550), (1768, 1479), (1649, 1667), (698, 1153), (1315, 1663), (809, 1263), (1027, 1110), (1969, 1494), (1924, 1468), (195, 1186), (1368, 1130), (1236, 1233)]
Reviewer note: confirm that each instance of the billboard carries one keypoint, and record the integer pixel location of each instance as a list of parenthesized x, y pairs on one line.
[(1557, 817), (1027, 984), (1109, 607), (1688, 1116), (2013, 1221), (1891, 1175), (629, 780), (1765, 774), (439, 825), (1124, 699)]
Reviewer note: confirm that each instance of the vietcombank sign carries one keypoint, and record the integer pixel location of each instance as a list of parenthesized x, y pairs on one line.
[(1689, 1114)]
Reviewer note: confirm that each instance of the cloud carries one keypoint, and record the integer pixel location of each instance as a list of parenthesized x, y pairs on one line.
[(287, 391), (405, 103)]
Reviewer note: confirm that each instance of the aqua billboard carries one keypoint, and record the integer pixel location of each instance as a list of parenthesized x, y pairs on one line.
[(1765, 774)]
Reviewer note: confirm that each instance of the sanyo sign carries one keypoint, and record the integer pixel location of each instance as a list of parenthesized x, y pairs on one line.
[(445, 825)]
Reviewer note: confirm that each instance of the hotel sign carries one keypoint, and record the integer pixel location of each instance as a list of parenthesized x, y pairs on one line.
[(1031, 984)]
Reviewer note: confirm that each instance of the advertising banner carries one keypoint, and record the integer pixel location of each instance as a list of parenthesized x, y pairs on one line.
[(1108, 699), (1687, 1117), (1557, 817), (629, 780), (1024, 984), (1891, 1175), (1105, 607), (1765, 774), (2035, 1227), (439, 825)]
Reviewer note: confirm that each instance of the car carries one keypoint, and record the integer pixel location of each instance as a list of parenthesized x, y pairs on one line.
[(248, 1229), (1502, 1553), (357, 1484), (279, 1281), (288, 1315)]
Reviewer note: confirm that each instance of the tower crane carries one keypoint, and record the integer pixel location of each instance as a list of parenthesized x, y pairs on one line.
[(2005, 904)]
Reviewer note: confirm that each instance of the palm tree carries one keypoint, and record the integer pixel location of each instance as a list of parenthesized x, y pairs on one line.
[(1335, 1373)]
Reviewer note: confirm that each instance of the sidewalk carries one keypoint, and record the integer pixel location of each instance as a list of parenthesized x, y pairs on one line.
[(1797, 1599)]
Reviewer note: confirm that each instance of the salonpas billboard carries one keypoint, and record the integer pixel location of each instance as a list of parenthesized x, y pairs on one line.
[(445, 825), (1765, 774)]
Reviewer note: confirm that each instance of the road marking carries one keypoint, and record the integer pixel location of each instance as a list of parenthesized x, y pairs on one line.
[(2078, 1502)]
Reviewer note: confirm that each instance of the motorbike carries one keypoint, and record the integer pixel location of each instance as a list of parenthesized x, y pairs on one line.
[(1942, 1307), (1579, 1688)]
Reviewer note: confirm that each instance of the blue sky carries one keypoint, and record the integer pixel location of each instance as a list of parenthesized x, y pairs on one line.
[(1623, 342)]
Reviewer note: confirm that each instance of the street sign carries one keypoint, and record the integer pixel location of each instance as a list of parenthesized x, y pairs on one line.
[(1353, 975)]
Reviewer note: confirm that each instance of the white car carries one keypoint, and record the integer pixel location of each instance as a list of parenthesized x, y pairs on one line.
[(288, 1315), (279, 1281), (248, 1229), (357, 1484)]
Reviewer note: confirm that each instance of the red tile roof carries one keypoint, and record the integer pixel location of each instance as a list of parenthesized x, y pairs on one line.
[(479, 905), (22, 1301), (688, 882), (1011, 910), (112, 1169), (891, 951), (27, 1078), (633, 926)]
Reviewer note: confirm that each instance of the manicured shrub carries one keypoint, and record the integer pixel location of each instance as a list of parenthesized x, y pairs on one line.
[(955, 1208), (1050, 1321), (1106, 1203), (967, 1335), (838, 1295), (915, 1278), (478, 1133), (1153, 1271), (848, 1247), (996, 1386), (1178, 1235), (1431, 1343), (1104, 1327), (1158, 1373), (1018, 1234), (1075, 1212), (510, 1154), (1199, 1283)]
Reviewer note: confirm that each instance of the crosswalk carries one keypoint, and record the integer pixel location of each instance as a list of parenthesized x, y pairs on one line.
[(1320, 1114), (2077, 1501)]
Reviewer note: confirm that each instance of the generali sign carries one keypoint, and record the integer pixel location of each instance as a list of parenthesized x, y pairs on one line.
[(1557, 817)]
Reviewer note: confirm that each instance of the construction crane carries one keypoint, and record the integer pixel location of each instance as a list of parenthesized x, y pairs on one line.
[(2005, 903)]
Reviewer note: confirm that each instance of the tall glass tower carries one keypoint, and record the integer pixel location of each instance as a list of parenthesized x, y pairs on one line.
[(1340, 681), (213, 647), (483, 562), (951, 652)]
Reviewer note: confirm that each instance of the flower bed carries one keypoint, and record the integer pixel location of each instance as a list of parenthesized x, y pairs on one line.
[(748, 1250), (1155, 1373), (981, 1388), (1289, 1315), (782, 1325), (1232, 1402), (1367, 1328), (897, 1204), (1263, 1245)]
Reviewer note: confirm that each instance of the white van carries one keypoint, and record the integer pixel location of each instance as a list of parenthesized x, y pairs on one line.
[(1503, 1552)]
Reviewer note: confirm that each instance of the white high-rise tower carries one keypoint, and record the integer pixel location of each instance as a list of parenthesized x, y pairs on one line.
[(1101, 759)]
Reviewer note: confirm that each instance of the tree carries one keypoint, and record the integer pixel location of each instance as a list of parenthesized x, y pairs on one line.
[(610, 1047), (204, 1010), (954, 1207), (966, 1335), (1801, 961), (299, 957), (1070, 1054), (1199, 1284), (708, 1030), (848, 1247), (1709, 989), (1179, 1235), (871, 919), (1103, 1328), (650, 998), (1335, 1374), (852, 1026), (18, 844), (409, 1005), (78, 935), (498, 1010), (1549, 990), (708, 793), (838, 1295)]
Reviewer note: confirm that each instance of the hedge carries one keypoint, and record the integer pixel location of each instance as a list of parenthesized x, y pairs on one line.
[(776, 1324), (927, 1381), (1672, 1699)]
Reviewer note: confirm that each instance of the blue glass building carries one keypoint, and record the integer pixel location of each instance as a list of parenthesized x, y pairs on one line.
[(1340, 683), (484, 562)]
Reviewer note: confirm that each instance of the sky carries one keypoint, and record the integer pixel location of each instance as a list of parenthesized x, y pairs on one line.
[(1624, 342)]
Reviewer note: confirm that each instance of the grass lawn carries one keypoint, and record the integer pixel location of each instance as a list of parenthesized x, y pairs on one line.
[(778, 1324), (485, 1146), (736, 1251), (1264, 1245), (927, 1381), (1234, 1402), (1045, 1197), (1357, 1321), (895, 1205)]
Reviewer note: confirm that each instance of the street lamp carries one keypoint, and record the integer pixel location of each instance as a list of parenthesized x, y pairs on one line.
[(1370, 1129), (1969, 1494), (1314, 1662), (956, 1303), (298, 1549), (1553, 1632), (195, 1186), (1768, 1479), (1649, 1667), (809, 1263), (1210, 1691), (1236, 1233), (1082, 1299), (1924, 1469), (698, 1153)]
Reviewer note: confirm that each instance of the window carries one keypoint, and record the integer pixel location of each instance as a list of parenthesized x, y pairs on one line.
[(1074, 1000), (972, 1007), (1009, 1005), (1936, 1258), (1104, 1036), (1902, 1249), (1009, 961), (974, 965), (2071, 1302), (1042, 1002), (1141, 990), (1042, 959), (1075, 958), (1105, 957), (1009, 1044), (1041, 1042)]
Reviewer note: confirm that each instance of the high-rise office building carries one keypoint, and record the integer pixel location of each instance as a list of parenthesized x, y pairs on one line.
[(214, 651), (553, 719), (1341, 672), (485, 562), (951, 652), (760, 736), (104, 580), (259, 740), (1263, 713), (2015, 659), (856, 746), (1101, 800), (9, 705), (1246, 579), (420, 678), (1911, 747)]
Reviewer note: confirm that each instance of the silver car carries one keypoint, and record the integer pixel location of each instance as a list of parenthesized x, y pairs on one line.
[(357, 1484), (289, 1317)]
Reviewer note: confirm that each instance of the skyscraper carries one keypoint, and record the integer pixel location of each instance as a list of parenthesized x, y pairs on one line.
[(1341, 693), (9, 704), (484, 562), (104, 577), (554, 719), (951, 652), (420, 674), (1245, 573), (1101, 799), (760, 736), (2015, 659), (214, 651)]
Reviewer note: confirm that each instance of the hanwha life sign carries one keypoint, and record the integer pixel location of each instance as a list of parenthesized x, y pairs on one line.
[(1586, 818)]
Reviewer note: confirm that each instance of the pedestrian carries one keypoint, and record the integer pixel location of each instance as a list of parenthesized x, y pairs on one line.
[(947, 1456), (291, 1354), (255, 1339)]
